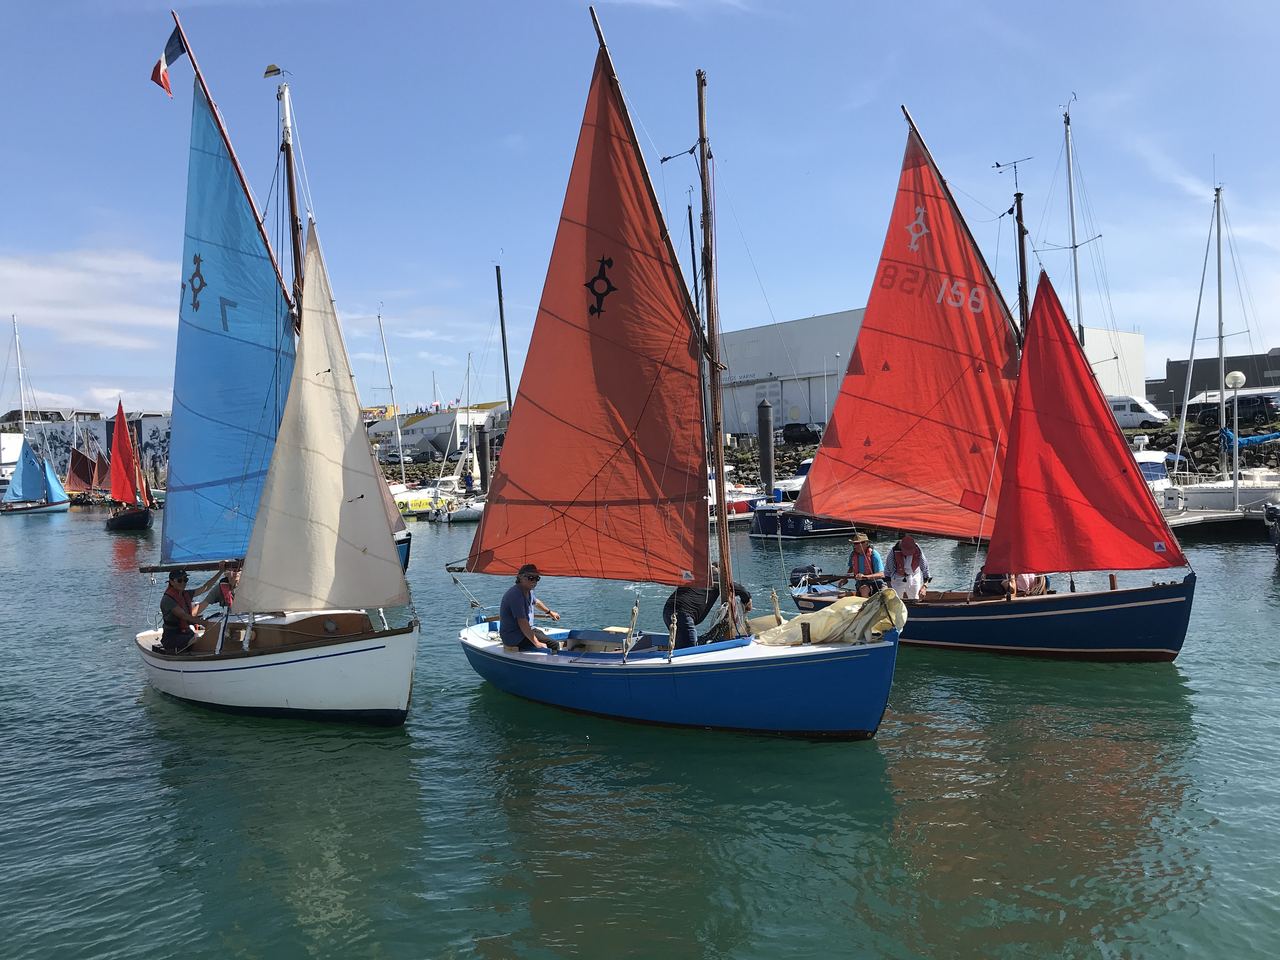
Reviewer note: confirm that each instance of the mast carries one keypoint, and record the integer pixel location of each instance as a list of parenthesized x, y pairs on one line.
[(392, 387), (1222, 353), (502, 325), (1071, 208), (1024, 308), (713, 354), (22, 395), (231, 152), (295, 221)]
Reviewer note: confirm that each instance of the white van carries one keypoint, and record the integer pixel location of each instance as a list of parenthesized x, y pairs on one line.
[(1136, 412)]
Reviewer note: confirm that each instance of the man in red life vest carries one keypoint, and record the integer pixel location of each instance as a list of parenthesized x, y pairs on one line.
[(865, 569), (179, 612), (907, 568)]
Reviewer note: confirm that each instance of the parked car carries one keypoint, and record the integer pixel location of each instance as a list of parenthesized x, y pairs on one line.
[(1257, 408), (801, 432), (1131, 411), (395, 457)]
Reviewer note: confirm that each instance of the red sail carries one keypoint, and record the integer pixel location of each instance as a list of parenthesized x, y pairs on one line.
[(124, 469), (917, 434), (79, 473), (1073, 496), (101, 473), (604, 472)]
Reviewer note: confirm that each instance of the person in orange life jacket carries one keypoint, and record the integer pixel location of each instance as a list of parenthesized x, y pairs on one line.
[(178, 611), (907, 568), (865, 567)]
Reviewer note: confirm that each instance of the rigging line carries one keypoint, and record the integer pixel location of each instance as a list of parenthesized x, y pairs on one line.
[(1242, 280), (1049, 195), (1195, 326)]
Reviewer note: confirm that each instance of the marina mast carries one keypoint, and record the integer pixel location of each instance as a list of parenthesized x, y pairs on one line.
[(1071, 208)]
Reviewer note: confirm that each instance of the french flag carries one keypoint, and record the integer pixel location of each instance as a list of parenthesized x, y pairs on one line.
[(172, 51)]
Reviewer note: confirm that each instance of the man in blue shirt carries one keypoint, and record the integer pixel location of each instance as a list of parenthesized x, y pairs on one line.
[(515, 615), (865, 567)]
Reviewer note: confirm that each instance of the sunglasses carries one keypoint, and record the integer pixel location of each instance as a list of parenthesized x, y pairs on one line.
[(531, 576)]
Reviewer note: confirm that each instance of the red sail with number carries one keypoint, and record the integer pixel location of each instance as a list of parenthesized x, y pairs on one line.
[(604, 470), (1073, 497), (917, 437)]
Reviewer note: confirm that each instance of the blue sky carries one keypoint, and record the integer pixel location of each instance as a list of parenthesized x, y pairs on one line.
[(437, 139)]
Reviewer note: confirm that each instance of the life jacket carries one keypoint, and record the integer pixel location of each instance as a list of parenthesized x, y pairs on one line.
[(224, 590), (183, 599), (896, 561), (857, 561)]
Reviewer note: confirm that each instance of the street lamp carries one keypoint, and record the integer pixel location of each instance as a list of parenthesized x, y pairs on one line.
[(1235, 380)]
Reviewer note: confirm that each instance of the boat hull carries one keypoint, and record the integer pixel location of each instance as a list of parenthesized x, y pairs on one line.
[(836, 690), (368, 680), (130, 520), (786, 524), (1140, 624), (404, 542), (34, 509)]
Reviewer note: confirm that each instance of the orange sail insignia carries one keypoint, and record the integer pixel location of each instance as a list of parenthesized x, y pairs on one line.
[(916, 439), (604, 471)]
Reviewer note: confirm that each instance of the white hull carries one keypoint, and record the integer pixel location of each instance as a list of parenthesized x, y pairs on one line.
[(366, 679), (1219, 495)]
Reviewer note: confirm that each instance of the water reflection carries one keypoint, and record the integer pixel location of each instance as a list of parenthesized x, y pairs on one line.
[(1047, 804)]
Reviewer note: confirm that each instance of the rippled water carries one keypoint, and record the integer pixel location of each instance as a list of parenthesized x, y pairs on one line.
[(1006, 809)]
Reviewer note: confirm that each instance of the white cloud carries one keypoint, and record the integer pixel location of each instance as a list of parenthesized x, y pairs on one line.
[(443, 359)]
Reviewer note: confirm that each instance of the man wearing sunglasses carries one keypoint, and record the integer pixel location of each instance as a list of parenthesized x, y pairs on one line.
[(516, 614)]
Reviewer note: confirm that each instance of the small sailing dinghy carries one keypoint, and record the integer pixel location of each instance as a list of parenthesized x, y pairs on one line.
[(604, 475), (34, 487), (128, 485), (296, 493), (937, 430)]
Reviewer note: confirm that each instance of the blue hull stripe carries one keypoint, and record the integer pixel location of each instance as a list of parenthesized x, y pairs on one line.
[(263, 666)]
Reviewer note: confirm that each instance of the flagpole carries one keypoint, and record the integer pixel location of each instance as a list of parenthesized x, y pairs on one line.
[(231, 151)]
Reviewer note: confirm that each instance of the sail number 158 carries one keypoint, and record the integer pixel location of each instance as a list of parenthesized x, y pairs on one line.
[(951, 291)]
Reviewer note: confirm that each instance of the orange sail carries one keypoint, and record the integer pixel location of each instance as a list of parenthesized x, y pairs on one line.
[(604, 470), (79, 473), (1073, 498), (916, 439), (124, 469)]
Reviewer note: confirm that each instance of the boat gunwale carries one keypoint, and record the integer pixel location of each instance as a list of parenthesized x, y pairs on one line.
[(238, 653)]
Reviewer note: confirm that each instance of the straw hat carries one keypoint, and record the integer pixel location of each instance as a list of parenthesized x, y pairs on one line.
[(859, 538)]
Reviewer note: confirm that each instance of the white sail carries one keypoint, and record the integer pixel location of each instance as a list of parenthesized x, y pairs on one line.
[(321, 538)]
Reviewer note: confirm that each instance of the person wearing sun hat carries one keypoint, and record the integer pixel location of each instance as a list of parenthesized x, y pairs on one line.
[(866, 570), (515, 615)]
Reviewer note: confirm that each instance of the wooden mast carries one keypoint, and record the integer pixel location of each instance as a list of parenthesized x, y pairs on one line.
[(231, 152), (502, 324), (295, 221), (1024, 308), (713, 356)]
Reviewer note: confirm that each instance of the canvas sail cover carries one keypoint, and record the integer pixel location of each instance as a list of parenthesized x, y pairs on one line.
[(124, 469), (55, 492), (234, 360), (321, 539), (1073, 497), (916, 437), (79, 472), (603, 472), (27, 483)]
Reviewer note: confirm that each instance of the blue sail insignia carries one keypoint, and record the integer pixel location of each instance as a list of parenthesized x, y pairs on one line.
[(234, 360)]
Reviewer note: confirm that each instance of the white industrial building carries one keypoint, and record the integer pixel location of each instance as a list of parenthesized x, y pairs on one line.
[(798, 367)]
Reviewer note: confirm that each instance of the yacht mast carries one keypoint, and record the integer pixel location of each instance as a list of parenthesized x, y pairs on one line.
[(22, 395), (1071, 207), (392, 387), (1222, 353), (713, 356), (291, 180), (502, 324)]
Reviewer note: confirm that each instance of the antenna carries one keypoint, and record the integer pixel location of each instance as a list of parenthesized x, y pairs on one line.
[(1001, 167)]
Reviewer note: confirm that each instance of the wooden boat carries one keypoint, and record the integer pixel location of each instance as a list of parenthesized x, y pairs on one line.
[(317, 543), (591, 484), (937, 430), (128, 484)]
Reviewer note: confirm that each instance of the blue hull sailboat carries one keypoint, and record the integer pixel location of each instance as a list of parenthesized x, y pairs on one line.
[(34, 487), (941, 428), (604, 475)]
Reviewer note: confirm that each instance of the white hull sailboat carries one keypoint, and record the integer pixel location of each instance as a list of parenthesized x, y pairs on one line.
[(318, 552), (365, 675)]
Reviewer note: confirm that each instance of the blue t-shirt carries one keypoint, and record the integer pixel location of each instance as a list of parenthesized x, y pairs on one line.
[(515, 606), (877, 566)]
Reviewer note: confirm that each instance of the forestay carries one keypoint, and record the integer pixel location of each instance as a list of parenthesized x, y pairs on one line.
[(917, 434), (1073, 496), (234, 359), (321, 538), (604, 471)]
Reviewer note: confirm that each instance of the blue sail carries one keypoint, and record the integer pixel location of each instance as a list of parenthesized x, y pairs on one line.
[(27, 483), (234, 360), (55, 492)]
